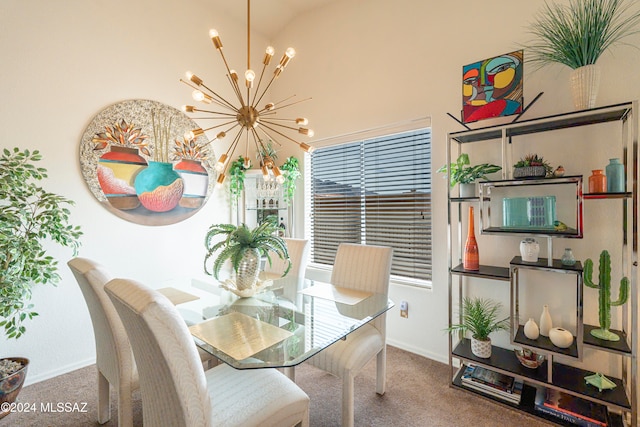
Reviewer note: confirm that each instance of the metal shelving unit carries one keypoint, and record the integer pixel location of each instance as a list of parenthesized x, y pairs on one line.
[(622, 401)]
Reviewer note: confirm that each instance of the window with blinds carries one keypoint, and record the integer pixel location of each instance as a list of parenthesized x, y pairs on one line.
[(377, 192)]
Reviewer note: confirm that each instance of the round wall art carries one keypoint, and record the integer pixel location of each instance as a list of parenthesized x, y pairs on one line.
[(140, 164)]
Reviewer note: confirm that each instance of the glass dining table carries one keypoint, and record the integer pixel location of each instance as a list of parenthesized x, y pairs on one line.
[(281, 326)]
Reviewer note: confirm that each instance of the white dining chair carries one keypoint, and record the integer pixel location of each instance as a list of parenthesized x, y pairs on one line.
[(365, 268), (114, 359), (298, 254), (177, 392)]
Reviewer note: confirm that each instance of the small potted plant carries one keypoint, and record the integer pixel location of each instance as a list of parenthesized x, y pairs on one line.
[(291, 171), (466, 175), (244, 247), (480, 318), (532, 166), (30, 217)]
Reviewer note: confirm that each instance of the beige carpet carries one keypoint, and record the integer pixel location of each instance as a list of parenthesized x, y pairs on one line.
[(418, 394)]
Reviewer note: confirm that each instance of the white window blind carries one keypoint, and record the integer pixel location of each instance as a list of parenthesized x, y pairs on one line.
[(377, 192)]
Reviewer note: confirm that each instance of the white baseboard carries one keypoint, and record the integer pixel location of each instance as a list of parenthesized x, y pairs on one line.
[(33, 379), (442, 358)]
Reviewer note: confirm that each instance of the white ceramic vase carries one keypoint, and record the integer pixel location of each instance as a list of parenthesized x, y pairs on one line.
[(560, 337), (585, 82), (480, 348), (545, 321), (531, 329)]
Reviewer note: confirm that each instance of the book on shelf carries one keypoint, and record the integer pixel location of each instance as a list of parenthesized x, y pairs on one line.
[(573, 409), (511, 393)]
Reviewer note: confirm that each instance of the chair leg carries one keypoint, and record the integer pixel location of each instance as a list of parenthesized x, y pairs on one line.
[(381, 371), (347, 401), (125, 406), (104, 399)]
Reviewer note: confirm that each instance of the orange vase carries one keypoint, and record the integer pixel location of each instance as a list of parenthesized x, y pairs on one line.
[(471, 258), (597, 182)]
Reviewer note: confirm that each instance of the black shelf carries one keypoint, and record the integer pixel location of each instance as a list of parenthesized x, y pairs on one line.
[(598, 196), (569, 232), (486, 271), (527, 403), (621, 346), (556, 264), (545, 344), (465, 199), (565, 377), (559, 121), (569, 179)]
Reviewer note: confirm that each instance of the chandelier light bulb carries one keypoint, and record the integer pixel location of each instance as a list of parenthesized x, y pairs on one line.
[(195, 133), (290, 52), (222, 162), (270, 50), (221, 135), (268, 54), (265, 173), (193, 78), (188, 108), (234, 75), (278, 175), (250, 75), (305, 131), (270, 106), (247, 163), (215, 39), (302, 121), (307, 148), (213, 33), (197, 95)]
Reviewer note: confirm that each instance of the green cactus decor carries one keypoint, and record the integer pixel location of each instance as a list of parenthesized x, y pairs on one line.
[(604, 294)]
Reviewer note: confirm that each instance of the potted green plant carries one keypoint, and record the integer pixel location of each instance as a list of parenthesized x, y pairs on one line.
[(29, 217), (532, 166), (466, 175), (244, 247), (291, 171), (576, 35), (480, 318), (237, 175)]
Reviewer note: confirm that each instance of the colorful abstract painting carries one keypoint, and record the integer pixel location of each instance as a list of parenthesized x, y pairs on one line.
[(140, 165), (492, 87)]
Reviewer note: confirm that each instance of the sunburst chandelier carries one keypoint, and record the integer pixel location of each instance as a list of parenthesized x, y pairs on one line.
[(250, 122)]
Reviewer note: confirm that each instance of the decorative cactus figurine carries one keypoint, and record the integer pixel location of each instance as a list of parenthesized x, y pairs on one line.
[(604, 294)]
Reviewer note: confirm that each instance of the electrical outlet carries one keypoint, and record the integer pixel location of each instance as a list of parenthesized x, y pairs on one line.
[(404, 309)]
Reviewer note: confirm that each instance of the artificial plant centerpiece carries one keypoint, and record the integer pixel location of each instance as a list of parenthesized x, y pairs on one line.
[(480, 318), (244, 247), (576, 35), (466, 175), (604, 294)]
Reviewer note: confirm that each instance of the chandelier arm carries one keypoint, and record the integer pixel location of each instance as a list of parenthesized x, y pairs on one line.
[(236, 89), (264, 67), (265, 90), (227, 115), (223, 102), (232, 149), (288, 105), (278, 124), (278, 132), (271, 138)]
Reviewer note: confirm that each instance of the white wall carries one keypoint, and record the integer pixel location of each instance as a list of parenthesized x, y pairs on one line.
[(365, 63)]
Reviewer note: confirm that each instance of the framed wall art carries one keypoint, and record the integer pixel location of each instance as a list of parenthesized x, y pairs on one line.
[(140, 164), (492, 87)]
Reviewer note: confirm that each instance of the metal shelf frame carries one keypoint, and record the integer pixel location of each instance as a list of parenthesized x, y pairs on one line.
[(627, 351)]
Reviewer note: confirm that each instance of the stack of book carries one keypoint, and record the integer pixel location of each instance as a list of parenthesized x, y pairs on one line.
[(493, 383), (573, 409)]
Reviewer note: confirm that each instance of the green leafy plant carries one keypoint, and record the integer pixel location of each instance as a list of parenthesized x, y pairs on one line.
[(577, 34), (238, 239), (236, 178), (531, 160), (604, 294), (291, 172), (480, 318), (462, 172), (29, 216)]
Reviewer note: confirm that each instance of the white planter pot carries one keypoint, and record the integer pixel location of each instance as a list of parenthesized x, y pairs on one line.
[(481, 349), (585, 82)]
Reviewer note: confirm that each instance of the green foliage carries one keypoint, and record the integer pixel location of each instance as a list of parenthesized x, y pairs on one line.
[(240, 239), (480, 317), (236, 178), (604, 288), (577, 34), (291, 172), (462, 172), (534, 160), (29, 216)]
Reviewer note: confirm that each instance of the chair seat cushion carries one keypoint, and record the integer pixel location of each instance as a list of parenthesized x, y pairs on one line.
[(250, 396), (350, 354)]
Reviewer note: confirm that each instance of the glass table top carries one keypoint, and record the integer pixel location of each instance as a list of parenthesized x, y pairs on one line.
[(281, 326)]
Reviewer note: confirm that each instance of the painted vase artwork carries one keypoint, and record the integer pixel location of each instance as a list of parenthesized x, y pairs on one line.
[(139, 164)]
